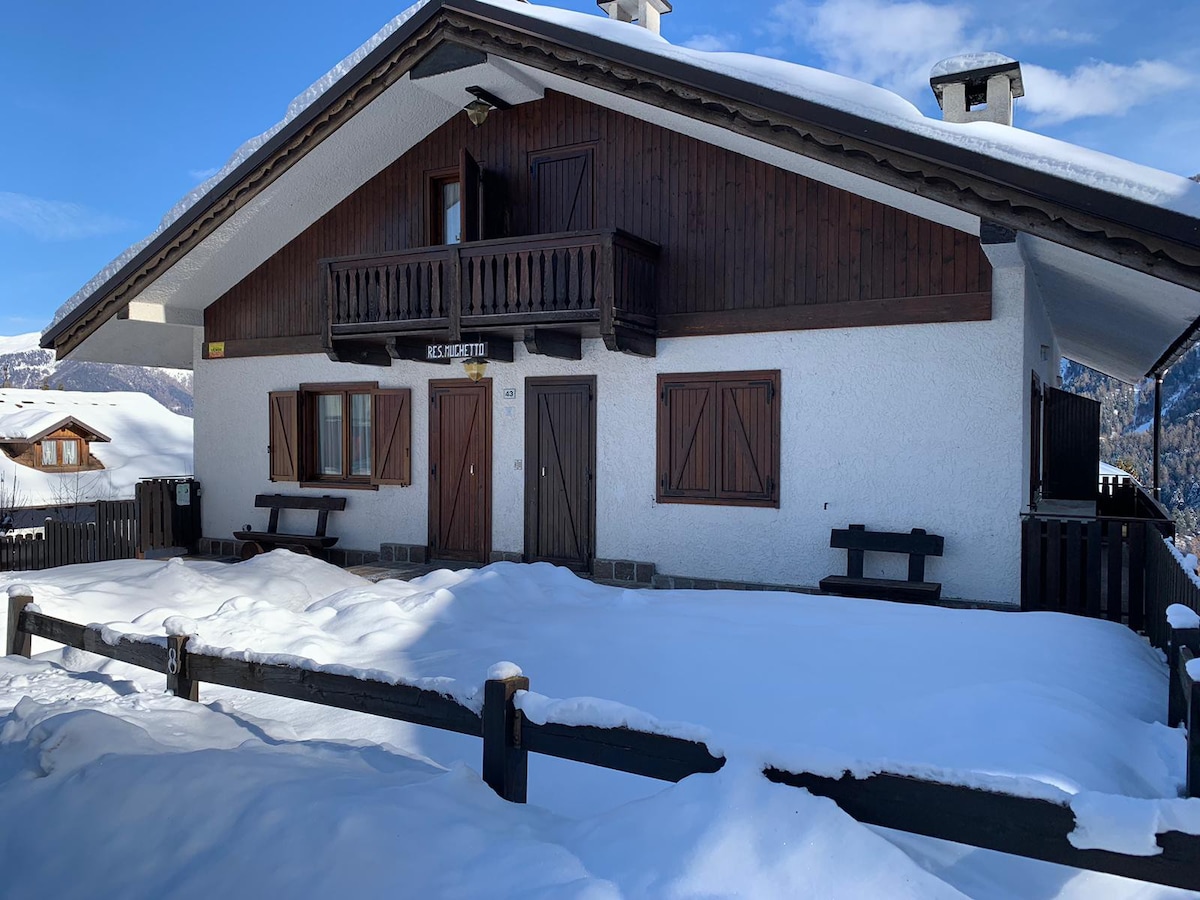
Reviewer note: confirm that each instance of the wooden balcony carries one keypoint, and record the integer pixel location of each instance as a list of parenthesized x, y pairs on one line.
[(593, 283)]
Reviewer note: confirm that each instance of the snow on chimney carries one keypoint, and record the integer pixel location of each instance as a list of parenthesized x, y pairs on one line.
[(645, 12), (989, 81)]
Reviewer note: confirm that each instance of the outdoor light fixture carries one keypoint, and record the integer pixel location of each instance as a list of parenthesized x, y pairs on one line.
[(477, 111), (475, 367)]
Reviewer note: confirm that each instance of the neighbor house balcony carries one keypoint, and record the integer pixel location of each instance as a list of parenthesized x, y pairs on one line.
[(589, 283)]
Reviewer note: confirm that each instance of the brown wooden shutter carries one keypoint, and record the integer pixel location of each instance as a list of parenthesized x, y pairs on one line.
[(284, 434), (562, 191), (686, 438), (391, 436), (748, 424), (469, 179)]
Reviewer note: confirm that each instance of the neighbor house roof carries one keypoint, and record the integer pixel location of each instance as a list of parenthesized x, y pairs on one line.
[(1110, 242), (140, 439)]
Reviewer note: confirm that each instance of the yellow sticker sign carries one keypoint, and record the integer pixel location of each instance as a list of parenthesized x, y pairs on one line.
[(216, 349)]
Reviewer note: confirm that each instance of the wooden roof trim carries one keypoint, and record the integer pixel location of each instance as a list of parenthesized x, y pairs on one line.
[(65, 422)]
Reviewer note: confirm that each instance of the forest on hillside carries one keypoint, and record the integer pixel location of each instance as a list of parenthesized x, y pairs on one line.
[(1126, 431)]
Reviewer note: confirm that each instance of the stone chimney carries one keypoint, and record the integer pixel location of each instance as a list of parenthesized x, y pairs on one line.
[(645, 12), (989, 81)]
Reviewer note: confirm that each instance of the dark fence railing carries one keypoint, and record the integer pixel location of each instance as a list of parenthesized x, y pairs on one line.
[(1183, 706), (1125, 498), (164, 519), (991, 819), (580, 276)]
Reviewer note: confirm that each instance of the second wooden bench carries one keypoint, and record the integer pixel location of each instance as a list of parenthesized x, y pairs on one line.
[(856, 541)]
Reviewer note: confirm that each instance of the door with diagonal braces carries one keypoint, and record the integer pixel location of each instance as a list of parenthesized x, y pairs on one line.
[(460, 470), (560, 459)]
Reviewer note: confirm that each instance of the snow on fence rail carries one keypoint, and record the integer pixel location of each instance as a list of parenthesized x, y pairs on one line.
[(1033, 827)]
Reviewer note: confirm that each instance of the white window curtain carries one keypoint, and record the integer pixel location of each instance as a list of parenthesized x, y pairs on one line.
[(70, 453), (49, 453), (360, 434), (329, 434)]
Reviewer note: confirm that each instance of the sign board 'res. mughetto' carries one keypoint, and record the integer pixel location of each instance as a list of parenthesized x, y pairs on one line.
[(463, 350)]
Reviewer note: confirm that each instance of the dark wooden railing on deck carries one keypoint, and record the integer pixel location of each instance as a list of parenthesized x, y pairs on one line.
[(604, 275)]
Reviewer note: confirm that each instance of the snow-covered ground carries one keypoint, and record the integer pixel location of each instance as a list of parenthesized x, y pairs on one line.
[(110, 788)]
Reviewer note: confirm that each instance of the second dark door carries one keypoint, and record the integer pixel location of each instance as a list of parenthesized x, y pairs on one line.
[(560, 458), (460, 470)]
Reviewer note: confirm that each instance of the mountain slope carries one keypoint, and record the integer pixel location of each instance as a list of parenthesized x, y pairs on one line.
[(23, 364)]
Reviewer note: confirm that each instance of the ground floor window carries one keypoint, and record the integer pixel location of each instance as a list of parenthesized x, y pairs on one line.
[(718, 438), (348, 434)]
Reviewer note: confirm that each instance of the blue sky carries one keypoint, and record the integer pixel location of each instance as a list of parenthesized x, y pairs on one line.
[(113, 111)]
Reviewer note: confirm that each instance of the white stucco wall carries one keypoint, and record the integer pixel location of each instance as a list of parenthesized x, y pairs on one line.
[(893, 427)]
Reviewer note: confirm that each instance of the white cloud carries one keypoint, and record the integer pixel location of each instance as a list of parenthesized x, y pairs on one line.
[(889, 44), (203, 174), (1097, 88), (724, 41), (55, 220)]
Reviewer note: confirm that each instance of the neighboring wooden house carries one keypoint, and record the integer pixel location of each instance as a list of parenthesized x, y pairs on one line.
[(711, 307), (70, 447), (44, 439)]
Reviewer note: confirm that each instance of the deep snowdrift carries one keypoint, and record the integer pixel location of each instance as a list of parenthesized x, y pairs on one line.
[(141, 794)]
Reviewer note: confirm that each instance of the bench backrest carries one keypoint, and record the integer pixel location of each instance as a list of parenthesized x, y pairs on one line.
[(916, 543), (324, 505)]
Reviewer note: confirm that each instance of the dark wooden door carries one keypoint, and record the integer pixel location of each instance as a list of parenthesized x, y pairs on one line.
[(460, 470), (562, 191), (560, 458), (1070, 446)]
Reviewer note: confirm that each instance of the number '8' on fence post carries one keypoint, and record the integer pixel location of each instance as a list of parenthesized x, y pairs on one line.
[(179, 682)]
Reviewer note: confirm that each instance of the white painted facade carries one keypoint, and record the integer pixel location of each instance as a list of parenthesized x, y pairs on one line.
[(893, 427)]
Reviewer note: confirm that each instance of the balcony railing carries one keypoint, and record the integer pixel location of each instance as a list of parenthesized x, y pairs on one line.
[(604, 276)]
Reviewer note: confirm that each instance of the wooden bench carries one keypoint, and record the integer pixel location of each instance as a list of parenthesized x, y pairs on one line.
[(256, 542), (856, 541)]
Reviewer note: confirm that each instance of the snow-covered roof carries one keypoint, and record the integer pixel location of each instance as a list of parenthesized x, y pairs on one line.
[(143, 440), (1163, 207)]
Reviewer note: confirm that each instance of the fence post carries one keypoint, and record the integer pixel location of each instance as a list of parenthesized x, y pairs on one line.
[(1193, 742), (505, 763), (20, 643), (179, 682)]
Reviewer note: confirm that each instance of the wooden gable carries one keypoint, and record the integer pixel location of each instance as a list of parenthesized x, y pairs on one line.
[(745, 246)]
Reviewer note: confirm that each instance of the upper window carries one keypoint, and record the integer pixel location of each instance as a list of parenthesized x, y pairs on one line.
[(446, 205), (718, 438), (60, 454), (341, 433)]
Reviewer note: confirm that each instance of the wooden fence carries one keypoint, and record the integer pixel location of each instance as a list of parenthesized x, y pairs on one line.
[(112, 536), (1183, 706), (156, 523), (993, 820), (1097, 567), (1166, 584)]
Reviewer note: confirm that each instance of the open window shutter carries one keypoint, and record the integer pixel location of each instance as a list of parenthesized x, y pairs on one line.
[(284, 434), (469, 179), (1070, 446), (687, 439), (748, 467), (391, 436)]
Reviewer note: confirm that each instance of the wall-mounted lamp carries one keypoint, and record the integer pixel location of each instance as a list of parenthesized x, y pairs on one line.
[(475, 367), (485, 101), (477, 111)]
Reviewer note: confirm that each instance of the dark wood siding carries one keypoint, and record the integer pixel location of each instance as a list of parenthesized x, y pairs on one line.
[(745, 245)]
